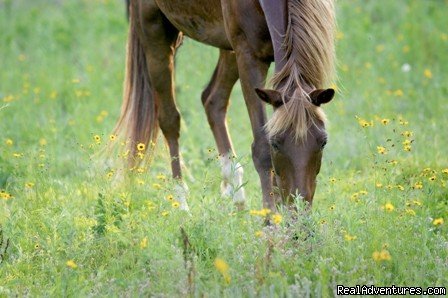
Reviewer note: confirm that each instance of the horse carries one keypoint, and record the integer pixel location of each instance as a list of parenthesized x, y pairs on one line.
[(297, 35)]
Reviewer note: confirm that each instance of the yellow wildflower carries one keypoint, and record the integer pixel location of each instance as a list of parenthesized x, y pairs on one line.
[(223, 268), (364, 123), (150, 205), (432, 178), (4, 195), (417, 203), (97, 138), (403, 122), (175, 204), (381, 150), (438, 221), (407, 133), (71, 264), (144, 243), (259, 234), (393, 162), (141, 147), (112, 137), (161, 177), (349, 237), (277, 218), (445, 171), (427, 73), (169, 198), (385, 121), (379, 185), (418, 185), (407, 142), (164, 213), (333, 180), (382, 255), (29, 185), (9, 142), (410, 211), (389, 207), (156, 186)]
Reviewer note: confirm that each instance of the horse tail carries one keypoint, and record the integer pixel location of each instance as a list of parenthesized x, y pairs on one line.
[(308, 44), (138, 119)]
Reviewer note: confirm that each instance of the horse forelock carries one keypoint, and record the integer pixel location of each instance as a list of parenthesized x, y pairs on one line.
[(297, 115)]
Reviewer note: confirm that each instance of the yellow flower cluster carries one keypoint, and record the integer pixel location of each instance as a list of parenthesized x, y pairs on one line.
[(5, 195), (382, 255), (363, 122), (263, 212)]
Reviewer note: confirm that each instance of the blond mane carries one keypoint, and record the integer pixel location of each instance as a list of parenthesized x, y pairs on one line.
[(309, 55)]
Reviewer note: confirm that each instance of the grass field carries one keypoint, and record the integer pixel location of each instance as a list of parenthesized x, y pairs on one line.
[(69, 230)]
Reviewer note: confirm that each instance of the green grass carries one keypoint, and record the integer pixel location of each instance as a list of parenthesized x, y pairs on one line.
[(61, 73)]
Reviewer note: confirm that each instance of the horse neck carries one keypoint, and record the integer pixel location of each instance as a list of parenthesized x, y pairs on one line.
[(276, 14)]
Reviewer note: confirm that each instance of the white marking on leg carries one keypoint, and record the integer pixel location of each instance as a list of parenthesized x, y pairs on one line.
[(181, 192), (232, 179)]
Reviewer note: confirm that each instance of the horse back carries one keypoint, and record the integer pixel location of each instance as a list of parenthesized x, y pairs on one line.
[(220, 23)]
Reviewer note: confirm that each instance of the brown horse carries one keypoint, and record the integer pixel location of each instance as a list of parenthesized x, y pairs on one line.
[(296, 34)]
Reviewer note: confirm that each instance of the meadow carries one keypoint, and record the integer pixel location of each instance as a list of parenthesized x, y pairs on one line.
[(68, 229)]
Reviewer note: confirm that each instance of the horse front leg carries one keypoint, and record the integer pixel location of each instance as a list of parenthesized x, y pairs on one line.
[(253, 72)]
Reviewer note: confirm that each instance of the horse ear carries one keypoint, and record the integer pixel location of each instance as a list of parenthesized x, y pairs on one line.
[(321, 96), (270, 96)]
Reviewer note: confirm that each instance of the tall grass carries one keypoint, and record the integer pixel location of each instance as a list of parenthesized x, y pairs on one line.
[(73, 230)]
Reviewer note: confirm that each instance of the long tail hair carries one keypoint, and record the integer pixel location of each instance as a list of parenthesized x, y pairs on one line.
[(309, 55), (138, 120)]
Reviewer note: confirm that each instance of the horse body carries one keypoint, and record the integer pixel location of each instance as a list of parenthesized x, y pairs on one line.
[(249, 34), (200, 20)]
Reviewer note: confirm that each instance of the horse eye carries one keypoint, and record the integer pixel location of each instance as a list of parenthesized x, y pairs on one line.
[(275, 146), (323, 144)]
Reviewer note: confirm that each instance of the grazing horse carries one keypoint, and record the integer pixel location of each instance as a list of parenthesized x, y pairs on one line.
[(298, 35)]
